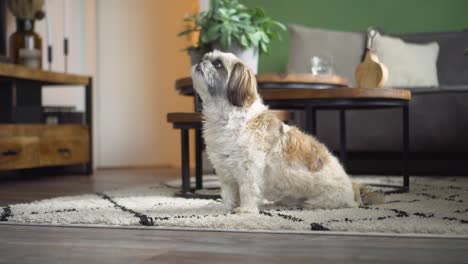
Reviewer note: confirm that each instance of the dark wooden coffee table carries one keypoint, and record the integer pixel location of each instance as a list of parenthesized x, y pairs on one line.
[(311, 93), (274, 81)]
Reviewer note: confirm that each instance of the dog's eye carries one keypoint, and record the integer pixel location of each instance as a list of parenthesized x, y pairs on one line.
[(217, 64)]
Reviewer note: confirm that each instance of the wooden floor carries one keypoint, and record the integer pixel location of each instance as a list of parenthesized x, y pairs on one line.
[(45, 244), (27, 187)]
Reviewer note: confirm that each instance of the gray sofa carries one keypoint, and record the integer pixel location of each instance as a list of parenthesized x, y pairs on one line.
[(438, 120)]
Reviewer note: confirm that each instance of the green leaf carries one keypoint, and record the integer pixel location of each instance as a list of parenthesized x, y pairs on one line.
[(229, 41), (264, 37), (244, 42), (259, 12), (224, 42), (223, 12), (185, 32), (280, 25), (255, 38)]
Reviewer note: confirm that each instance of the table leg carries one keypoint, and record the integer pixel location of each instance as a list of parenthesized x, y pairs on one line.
[(343, 148), (198, 158), (406, 150), (197, 103), (185, 160), (311, 122), (89, 123)]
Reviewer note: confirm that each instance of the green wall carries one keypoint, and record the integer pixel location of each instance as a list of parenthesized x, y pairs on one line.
[(394, 16)]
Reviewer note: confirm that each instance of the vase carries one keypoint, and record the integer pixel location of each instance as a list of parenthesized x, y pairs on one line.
[(26, 45)]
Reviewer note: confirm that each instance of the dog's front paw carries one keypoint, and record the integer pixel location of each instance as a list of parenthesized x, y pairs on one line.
[(229, 207), (246, 210)]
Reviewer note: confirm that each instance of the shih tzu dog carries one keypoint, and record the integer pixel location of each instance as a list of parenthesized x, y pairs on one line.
[(256, 156)]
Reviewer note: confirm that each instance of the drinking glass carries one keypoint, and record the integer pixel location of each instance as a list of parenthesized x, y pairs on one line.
[(321, 65)]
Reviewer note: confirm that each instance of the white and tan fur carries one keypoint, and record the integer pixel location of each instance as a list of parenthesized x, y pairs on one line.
[(255, 155)]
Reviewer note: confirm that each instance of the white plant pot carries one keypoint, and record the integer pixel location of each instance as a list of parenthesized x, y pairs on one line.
[(248, 56)]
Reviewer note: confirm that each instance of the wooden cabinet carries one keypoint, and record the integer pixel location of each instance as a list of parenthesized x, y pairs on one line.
[(29, 146), (26, 145)]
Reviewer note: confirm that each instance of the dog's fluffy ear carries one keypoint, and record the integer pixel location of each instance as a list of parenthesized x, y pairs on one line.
[(242, 86)]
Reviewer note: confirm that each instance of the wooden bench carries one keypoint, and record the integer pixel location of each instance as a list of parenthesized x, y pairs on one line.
[(193, 120)]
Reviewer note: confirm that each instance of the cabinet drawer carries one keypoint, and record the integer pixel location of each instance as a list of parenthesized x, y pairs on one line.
[(64, 151), (64, 131), (19, 152), (38, 130)]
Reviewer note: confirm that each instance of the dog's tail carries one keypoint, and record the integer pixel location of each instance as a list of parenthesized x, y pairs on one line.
[(364, 196)]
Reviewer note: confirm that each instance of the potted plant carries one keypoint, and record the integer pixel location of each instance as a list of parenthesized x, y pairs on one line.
[(232, 27)]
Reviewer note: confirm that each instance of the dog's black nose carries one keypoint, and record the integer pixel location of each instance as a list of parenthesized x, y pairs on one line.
[(198, 67)]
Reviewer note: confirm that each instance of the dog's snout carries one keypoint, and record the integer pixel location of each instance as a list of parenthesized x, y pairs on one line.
[(198, 67)]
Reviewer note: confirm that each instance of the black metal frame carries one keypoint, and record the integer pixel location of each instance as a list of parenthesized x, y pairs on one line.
[(89, 121), (3, 28), (310, 106)]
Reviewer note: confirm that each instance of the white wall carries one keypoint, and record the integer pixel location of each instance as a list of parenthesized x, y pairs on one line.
[(138, 60)]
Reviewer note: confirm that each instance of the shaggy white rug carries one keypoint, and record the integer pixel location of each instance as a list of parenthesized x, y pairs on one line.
[(434, 206)]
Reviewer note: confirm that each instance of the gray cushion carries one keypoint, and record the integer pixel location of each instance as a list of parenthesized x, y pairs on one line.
[(452, 66), (344, 48)]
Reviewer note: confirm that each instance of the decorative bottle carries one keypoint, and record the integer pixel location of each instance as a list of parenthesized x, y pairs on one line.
[(26, 45)]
